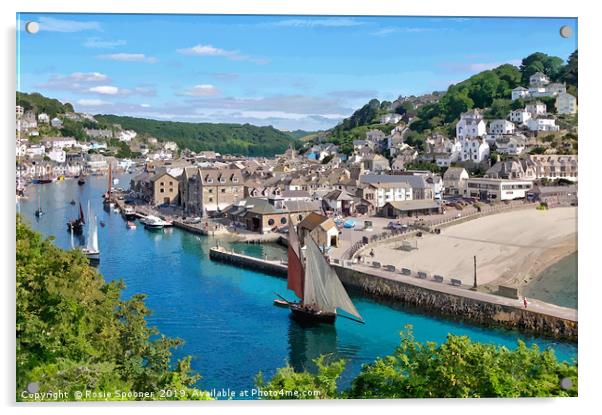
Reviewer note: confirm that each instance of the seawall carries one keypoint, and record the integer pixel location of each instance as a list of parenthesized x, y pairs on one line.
[(434, 298)]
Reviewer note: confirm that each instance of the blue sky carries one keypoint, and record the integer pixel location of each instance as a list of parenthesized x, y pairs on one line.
[(292, 72)]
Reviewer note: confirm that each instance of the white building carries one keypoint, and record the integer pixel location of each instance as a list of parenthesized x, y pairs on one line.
[(59, 142), (474, 149), (56, 154), (35, 150), (538, 79), (43, 118), (390, 118), (500, 127), (128, 135), (542, 124), (519, 92), (454, 180), (566, 104), (471, 125), (391, 192), (537, 108), (520, 116), (19, 111), (497, 189), (510, 144), (170, 146), (56, 123)]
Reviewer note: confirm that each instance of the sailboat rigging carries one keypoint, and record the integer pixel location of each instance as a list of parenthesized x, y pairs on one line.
[(315, 283), (39, 212), (77, 225)]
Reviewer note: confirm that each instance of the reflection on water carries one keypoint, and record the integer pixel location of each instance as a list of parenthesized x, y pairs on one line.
[(225, 314)]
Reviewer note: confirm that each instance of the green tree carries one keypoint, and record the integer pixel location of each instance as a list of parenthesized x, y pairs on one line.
[(457, 368), (74, 332)]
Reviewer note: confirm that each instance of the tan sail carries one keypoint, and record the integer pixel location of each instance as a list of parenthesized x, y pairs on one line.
[(322, 287)]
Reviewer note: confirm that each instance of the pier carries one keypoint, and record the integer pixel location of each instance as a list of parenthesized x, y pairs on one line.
[(433, 296)]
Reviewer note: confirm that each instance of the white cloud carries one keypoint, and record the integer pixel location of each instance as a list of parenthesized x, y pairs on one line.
[(51, 24), (209, 50), (98, 43), (334, 22), (129, 57), (92, 102), (77, 81), (476, 66), (105, 90), (202, 90)]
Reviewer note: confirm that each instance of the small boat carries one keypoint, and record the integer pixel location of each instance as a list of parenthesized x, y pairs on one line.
[(153, 222), (39, 212), (92, 251), (129, 213), (316, 284), (81, 180), (77, 225), (130, 225), (102, 224), (281, 303), (348, 224), (72, 203)]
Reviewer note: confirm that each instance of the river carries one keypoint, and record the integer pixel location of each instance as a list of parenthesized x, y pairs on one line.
[(224, 313)]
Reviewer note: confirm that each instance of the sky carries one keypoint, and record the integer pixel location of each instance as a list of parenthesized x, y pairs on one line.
[(291, 72)]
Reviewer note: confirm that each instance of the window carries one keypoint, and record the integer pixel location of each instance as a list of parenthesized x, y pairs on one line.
[(161, 190), (171, 189), (300, 217), (283, 220), (210, 190), (211, 199), (223, 190), (171, 183), (271, 222)]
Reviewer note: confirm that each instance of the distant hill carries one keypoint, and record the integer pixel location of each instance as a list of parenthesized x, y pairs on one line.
[(39, 103), (237, 139)]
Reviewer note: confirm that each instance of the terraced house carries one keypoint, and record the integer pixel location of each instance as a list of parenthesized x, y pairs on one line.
[(209, 191)]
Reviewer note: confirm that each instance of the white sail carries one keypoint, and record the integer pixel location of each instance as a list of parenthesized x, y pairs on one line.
[(322, 285), (72, 243), (92, 242)]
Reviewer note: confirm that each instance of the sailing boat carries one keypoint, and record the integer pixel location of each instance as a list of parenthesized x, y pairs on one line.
[(77, 225), (107, 195), (316, 284), (39, 212), (91, 250)]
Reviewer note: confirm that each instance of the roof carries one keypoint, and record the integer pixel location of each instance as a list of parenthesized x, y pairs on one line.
[(408, 205), (416, 182), (312, 221), (338, 195), (454, 172), (157, 176), (221, 176)]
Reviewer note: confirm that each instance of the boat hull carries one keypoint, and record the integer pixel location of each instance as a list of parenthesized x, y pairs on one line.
[(304, 314), (76, 226)]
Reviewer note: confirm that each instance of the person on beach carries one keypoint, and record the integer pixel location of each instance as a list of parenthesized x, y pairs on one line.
[(525, 301), (372, 253)]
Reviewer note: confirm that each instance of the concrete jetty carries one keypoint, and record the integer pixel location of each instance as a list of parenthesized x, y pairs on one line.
[(433, 296)]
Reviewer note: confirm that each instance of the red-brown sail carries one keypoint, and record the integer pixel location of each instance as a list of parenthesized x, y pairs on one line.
[(295, 272)]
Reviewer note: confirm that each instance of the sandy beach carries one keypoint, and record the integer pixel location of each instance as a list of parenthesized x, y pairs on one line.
[(512, 248)]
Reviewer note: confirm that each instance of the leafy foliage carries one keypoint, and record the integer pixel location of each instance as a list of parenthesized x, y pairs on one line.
[(457, 368), (552, 66), (322, 385), (242, 139), (74, 332), (39, 103)]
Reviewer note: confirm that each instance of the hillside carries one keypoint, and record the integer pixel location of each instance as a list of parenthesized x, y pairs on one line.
[(489, 90), (39, 103), (238, 139)]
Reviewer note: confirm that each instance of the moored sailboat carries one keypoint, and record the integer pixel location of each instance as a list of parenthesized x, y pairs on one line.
[(77, 225), (92, 250), (315, 283)]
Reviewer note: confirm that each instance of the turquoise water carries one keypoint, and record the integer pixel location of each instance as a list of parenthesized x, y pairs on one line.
[(224, 313)]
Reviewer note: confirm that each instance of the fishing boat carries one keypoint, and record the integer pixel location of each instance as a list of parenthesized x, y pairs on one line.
[(130, 225), (77, 225), (281, 303), (153, 222), (81, 180), (315, 283), (91, 249)]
